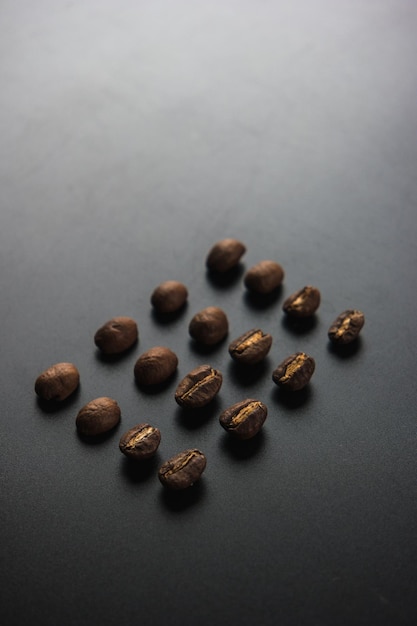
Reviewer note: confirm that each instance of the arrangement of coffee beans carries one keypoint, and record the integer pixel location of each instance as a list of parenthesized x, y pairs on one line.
[(244, 419)]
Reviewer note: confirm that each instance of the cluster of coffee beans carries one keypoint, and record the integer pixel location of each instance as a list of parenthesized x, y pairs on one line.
[(208, 327)]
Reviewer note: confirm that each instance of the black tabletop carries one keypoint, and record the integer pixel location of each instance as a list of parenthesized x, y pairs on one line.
[(135, 135)]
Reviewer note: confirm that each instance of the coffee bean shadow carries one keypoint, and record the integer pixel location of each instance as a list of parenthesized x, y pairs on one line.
[(152, 390), (222, 280), (292, 399), (192, 419), (115, 358), (168, 318), (181, 500), (202, 350), (345, 352), (140, 471), (247, 375), (56, 406), (242, 450), (299, 326), (258, 301), (94, 440)]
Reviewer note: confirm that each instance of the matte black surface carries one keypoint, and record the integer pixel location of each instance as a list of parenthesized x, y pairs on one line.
[(134, 135)]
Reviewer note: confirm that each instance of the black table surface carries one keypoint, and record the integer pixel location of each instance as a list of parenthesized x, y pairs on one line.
[(134, 135)]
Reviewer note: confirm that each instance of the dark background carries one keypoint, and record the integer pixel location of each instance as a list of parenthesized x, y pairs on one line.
[(134, 135)]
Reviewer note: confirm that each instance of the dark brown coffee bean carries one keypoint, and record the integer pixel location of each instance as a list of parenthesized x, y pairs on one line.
[(199, 387), (244, 419), (251, 347), (264, 277), (169, 296), (98, 417), (346, 327), (209, 326), (116, 335), (302, 303), (57, 382), (183, 470), (155, 366), (225, 255), (294, 372), (140, 442)]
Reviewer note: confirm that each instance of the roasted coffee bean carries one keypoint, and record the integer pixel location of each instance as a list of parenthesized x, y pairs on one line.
[(264, 277), (98, 416), (169, 296), (198, 387), (251, 347), (302, 303), (225, 255), (346, 327), (57, 382), (209, 326), (183, 470), (116, 335), (155, 366), (244, 419), (294, 372), (140, 442)]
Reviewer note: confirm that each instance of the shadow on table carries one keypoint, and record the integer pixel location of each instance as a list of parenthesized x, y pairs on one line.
[(192, 419), (109, 359), (292, 399), (223, 280), (345, 352), (55, 406), (247, 375), (140, 471), (168, 318), (257, 301), (178, 501), (152, 390), (203, 350), (299, 326), (242, 450), (94, 440)]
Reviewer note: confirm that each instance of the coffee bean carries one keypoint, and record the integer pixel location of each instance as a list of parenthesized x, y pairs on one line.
[(140, 442), (209, 326), (98, 417), (57, 382), (183, 469), (264, 277), (155, 366), (198, 387), (294, 372), (116, 335), (346, 327), (244, 419), (302, 303), (251, 347), (225, 255), (169, 296)]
